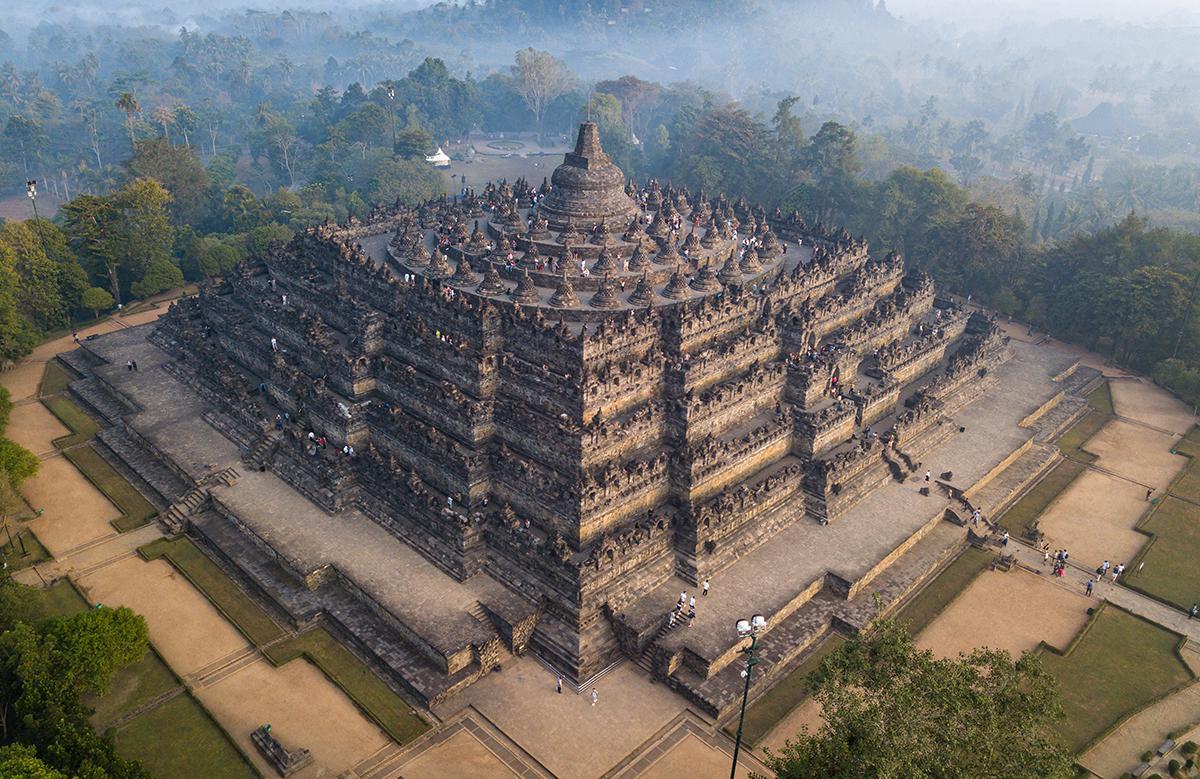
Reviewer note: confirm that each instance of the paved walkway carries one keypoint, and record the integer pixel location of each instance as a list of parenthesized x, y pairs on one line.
[(90, 556), (1076, 577)]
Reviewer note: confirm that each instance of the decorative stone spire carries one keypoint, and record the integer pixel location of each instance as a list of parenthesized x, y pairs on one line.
[(420, 256), (531, 258), (439, 268), (463, 277), (677, 287), (564, 296), (605, 264), (639, 261), (525, 293), (668, 254), (478, 241), (711, 233), (601, 235), (606, 294), (750, 263), (729, 272), (658, 225), (691, 244), (570, 236), (492, 283), (706, 280), (643, 294)]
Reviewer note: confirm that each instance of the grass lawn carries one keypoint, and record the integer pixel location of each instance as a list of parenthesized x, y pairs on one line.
[(1171, 572), (945, 587), (55, 379), (135, 509), (224, 594), (180, 740), (83, 427), (34, 551), (132, 686), (360, 683), (779, 701), (58, 600), (1117, 665), (1071, 442), (1031, 505)]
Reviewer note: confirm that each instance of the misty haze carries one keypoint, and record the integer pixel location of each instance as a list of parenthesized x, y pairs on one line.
[(600, 388)]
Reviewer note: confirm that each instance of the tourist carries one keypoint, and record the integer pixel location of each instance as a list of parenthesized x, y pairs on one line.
[(928, 474), (129, 365), (671, 620), (274, 344), (595, 696), (704, 586), (75, 336), (558, 686), (691, 617), (278, 421), (1104, 567), (1149, 492), (1046, 558), (1090, 585), (682, 599), (692, 603), (1004, 539), (1193, 610)]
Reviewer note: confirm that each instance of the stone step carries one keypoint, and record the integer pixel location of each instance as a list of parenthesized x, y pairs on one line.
[(97, 401), (79, 360), (117, 441)]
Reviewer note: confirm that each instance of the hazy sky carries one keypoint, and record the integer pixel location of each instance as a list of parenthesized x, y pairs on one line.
[(995, 10)]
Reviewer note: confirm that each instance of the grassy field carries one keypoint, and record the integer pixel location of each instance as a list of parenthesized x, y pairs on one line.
[(1170, 571), (180, 739), (57, 600), (788, 693), (132, 687), (135, 509), (55, 379), (238, 608), (933, 599), (360, 683), (1071, 442), (22, 539), (1031, 505), (1118, 664), (83, 428)]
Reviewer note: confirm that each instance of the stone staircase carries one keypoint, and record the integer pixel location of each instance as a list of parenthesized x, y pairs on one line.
[(260, 457), (118, 445), (98, 401), (177, 514), (645, 660)]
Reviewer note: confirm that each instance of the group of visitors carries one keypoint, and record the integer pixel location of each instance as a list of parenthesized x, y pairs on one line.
[(685, 607)]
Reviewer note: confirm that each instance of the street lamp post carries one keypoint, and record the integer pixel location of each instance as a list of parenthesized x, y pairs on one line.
[(391, 93), (746, 628)]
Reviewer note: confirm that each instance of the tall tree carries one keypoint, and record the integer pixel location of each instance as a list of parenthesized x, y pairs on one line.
[(890, 709), (540, 77), (128, 104)]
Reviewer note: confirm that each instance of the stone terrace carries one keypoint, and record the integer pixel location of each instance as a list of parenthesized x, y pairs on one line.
[(776, 577)]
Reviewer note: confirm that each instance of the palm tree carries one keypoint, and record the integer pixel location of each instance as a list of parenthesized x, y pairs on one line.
[(128, 103)]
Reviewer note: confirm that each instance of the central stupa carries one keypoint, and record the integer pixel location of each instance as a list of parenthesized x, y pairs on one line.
[(588, 188)]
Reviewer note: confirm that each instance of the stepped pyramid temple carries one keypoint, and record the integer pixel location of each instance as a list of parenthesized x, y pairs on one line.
[(527, 418)]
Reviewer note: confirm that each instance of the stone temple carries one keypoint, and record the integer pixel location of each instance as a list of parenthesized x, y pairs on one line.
[(526, 419)]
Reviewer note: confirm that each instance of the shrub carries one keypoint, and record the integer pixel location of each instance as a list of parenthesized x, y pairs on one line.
[(1190, 748), (1148, 755), (1174, 767)]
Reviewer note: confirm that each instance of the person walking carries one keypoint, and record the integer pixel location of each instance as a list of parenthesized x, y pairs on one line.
[(1193, 610), (928, 474), (1004, 540), (704, 586), (1149, 492), (692, 603), (595, 696), (1090, 585), (558, 687)]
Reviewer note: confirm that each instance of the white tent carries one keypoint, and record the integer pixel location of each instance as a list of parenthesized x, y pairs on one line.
[(439, 159)]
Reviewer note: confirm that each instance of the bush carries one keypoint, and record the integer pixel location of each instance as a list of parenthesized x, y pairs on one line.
[(1174, 767), (1148, 755), (1190, 748)]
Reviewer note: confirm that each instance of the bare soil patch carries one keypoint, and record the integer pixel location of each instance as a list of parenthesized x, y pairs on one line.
[(75, 511), (1136, 452), (458, 756), (22, 381), (185, 628), (1013, 611), (1153, 405), (33, 426), (304, 709), (1094, 517), (692, 757)]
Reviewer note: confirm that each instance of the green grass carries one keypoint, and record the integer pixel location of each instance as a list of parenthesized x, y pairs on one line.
[(1171, 572), (135, 509), (1071, 442), (788, 693), (55, 379), (1025, 511), (34, 551), (238, 608), (387, 709), (945, 587), (180, 740), (1117, 664), (133, 686), (83, 427), (58, 600)]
